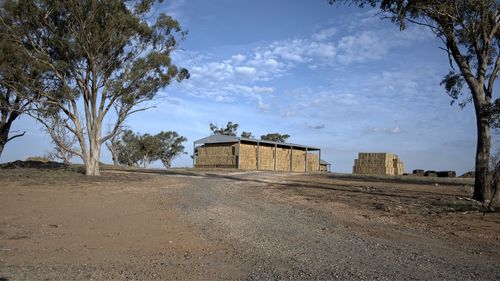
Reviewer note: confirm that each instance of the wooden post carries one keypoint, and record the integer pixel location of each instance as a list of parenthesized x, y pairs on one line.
[(305, 164), (194, 155), (258, 156), (238, 154), (319, 162), (275, 155), (291, 158)]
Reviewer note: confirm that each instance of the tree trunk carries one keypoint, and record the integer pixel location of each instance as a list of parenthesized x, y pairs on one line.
[(4, 136), (2, 145), (115, 158), (92, 165), (481, 185)]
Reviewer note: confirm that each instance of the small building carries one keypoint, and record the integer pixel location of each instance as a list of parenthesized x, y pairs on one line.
[(378, 164), (220, 151), (324, 166)]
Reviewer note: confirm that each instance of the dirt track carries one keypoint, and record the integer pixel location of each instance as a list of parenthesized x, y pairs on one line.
[(57, 224)]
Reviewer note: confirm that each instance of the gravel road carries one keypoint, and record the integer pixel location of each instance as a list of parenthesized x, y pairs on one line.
[(276, 240), (189, 224)]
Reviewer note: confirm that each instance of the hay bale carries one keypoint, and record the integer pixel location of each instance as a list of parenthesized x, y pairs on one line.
[(419, 172), (430, 173), (470, 174), (446, 174), (378, 164)]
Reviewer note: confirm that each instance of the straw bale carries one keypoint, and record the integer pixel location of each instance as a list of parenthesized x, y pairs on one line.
[(430, 174), (378, 164), (216, 156), (447, 174), (266, 157), (248, 156)]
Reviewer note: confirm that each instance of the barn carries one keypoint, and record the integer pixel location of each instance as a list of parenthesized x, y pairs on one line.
[(220, 151)]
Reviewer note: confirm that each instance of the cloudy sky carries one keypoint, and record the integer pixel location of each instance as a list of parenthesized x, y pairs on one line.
[(335, 77)]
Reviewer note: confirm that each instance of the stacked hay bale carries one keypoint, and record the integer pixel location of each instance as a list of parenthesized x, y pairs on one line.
[(399, 167), (248, 156), (266, 157), (282, 159), (298, 160), (378, 164), (312, 162), (216, 156)]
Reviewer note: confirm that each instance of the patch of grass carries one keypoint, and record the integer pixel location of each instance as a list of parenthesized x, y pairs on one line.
[(456, 205)]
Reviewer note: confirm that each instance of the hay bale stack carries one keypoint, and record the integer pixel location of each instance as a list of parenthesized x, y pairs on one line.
[(378, 164), (312, 162), (430, 173), (266, 157), (248, 157), (217, 156), (446, 174), (419, 172), (298, 160), (282, 159)]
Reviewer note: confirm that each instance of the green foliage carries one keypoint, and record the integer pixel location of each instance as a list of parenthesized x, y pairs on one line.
[(170, 147), (247, 135), (229, 130), (275, 137), (90, 57), (136, 149)]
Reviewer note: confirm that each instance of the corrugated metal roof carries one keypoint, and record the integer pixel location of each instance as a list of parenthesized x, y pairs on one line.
[(323, 162), (232, 139)]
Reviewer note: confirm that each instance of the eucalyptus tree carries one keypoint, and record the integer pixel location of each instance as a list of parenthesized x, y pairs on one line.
[(103, 60), (470, 32), (275, 137), (170, 147), (247, 135), (229, 130)]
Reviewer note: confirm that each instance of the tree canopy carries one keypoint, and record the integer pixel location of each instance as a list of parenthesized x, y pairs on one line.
[(135, 149), (229, 130), (95, 57), (275, 137)]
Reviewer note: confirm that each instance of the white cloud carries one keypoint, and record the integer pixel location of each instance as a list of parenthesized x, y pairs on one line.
[(395, 130), (239, 58), (324, 34), (245, 70), (317, 127), (244, 74)]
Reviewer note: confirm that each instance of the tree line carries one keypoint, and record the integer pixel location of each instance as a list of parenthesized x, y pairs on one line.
[(231, 130)]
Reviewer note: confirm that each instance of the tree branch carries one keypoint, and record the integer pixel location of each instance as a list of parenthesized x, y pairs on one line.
[(494, 74), (15, 136)]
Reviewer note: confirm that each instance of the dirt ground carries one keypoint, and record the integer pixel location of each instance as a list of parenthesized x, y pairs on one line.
[(186, 224)]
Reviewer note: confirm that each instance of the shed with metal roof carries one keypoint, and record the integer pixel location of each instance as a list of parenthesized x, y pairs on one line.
[(220, 151)]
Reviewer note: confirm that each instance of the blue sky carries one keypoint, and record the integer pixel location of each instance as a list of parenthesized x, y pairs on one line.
[(335, 77)]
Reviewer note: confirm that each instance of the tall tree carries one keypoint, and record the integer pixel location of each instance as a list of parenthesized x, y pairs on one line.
[(170, 147), (229, 130), (99, 56), (136, 149), (275, 137), (470, 33), (129, 151), (149, 148)]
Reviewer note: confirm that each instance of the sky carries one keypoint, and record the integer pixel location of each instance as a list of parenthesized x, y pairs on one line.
[(335, 77)]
